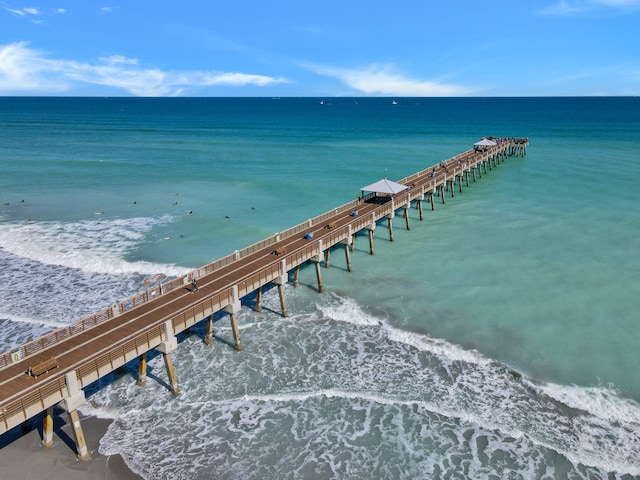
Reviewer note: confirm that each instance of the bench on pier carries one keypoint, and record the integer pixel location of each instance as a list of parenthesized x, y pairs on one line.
[(280, 251), (43, 367), (330, 225)]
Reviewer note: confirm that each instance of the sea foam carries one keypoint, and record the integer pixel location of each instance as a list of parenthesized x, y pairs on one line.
[(93, 246)]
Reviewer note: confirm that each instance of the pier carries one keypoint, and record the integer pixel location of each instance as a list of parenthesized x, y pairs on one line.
[(52, 371)]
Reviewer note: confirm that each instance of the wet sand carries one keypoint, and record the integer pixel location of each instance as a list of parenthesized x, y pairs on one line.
[(22, 456)]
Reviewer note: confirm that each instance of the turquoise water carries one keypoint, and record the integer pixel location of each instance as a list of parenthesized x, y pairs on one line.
[(498, 337)]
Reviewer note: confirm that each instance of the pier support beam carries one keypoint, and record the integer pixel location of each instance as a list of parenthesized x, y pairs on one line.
[(317, 259), (371, 229), (208, 336), (78, 435), (142, 370), (236, 332), (47, 428), (371, 246), (347, 255), (281, 281), (171, 373), (233, 309), (259, 299), (319, 276), (296, 276), (166, 347), (406, 217), (70, 405)]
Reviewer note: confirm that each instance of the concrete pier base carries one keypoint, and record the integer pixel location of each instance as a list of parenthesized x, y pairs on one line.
[(70, 404), (296, 276), (142, 370), (281, 281), (319, 277), (233, 310), (236, 332), (81, 445), (347, 256), (47, 428), (371, 236), (208, 336), (259, 300), (171, 373), (166, 347)]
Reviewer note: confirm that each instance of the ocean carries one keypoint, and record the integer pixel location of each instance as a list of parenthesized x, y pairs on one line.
[(497, 338)]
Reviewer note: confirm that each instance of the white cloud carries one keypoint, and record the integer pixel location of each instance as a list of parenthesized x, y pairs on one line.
[(15, 12), (23, 69), (235, 79), (383, 80), (25, 12), (119, 59)]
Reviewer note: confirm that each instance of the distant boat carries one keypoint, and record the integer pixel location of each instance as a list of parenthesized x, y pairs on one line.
[(393, 102)]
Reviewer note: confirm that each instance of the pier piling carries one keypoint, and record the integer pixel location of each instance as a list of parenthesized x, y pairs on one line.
[(47, 428), (142, 370), (347, 256), (319, 276), (208, 336)]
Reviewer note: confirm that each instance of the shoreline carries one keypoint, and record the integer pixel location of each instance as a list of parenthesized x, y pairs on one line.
[(22, 456)]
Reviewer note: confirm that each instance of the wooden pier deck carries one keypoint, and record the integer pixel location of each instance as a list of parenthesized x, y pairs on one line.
[(99, 344)]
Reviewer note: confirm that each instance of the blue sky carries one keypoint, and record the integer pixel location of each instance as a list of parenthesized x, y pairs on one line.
[(320, 48)]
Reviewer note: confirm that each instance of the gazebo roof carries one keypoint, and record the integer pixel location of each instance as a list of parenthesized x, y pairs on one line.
[(385, 186), (485, 142)]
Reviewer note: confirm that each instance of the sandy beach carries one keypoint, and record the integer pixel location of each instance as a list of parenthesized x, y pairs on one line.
[(22, 456)]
